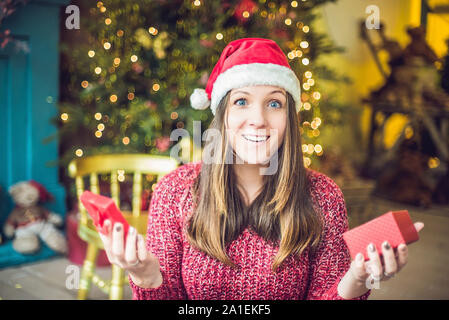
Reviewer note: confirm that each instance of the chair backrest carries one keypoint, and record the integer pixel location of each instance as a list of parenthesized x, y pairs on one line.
[(113, 164)]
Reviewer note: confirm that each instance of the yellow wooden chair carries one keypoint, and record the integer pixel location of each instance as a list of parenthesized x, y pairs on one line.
[(92, 167)]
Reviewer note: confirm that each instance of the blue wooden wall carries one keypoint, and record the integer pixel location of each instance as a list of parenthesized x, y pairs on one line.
[(29, 86)]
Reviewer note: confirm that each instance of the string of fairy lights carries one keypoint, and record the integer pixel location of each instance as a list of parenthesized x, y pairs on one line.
[(309, 97)]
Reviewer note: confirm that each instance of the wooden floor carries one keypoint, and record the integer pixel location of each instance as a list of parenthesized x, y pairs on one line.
[(426, 276)]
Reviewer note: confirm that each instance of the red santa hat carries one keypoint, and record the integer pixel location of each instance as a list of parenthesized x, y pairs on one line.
[(247, 62), (44, 195)]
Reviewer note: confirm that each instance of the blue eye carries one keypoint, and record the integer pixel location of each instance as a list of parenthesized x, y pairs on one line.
[(277, 102), (236, 102)]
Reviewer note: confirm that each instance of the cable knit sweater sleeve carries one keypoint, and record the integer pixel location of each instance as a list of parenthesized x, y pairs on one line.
[(164, 239), (332, 259)]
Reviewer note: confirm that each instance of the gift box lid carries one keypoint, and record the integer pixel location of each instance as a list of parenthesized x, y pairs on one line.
[(101, 208), (396, 227)]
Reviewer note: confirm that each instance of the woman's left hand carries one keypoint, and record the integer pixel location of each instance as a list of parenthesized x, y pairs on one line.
[(381, 268)]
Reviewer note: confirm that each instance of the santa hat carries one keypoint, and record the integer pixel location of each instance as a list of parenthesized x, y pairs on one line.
[(247, 62), (44, 195)]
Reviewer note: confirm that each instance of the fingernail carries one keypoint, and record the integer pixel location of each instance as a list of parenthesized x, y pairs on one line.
[(118, 227), (360, 257), (402, 247), (371, 247), (387, 245), (132, 230)]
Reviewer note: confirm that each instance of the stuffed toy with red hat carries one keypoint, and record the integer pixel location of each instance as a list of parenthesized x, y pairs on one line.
[(247, 62), (29, 222)]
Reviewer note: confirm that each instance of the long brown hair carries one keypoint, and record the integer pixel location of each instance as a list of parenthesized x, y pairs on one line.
[(282, 210)]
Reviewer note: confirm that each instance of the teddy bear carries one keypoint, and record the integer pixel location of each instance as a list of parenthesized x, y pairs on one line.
[(29, 221)]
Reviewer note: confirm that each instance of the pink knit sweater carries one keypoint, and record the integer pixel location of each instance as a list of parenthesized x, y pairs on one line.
[(191, 274)]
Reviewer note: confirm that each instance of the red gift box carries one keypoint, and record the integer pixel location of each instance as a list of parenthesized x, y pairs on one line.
[(101, 208), (396, 227)]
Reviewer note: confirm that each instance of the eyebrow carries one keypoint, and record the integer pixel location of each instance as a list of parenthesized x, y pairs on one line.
[(241, 91)]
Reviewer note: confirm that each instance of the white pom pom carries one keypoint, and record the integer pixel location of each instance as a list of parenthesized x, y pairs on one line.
[(199, 99)]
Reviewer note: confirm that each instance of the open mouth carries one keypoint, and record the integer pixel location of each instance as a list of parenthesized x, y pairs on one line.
[(256, 139)]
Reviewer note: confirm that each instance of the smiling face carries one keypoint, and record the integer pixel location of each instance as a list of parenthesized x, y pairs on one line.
[(256, 122)]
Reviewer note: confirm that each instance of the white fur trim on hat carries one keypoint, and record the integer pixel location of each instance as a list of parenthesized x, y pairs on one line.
[(199, 99), (255, 74)]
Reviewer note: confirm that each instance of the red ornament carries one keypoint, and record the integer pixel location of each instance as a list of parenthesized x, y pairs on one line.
[(204, 78), (151, 105), (163, 143), (225, 5), (281, 34), (137, 67), (206, 43), (245, 5)]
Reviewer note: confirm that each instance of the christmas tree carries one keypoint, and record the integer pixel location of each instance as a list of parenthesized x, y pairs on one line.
[(129, 70)]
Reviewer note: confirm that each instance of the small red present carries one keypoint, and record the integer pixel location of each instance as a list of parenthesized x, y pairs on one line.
[(396, 227), (101, 208)]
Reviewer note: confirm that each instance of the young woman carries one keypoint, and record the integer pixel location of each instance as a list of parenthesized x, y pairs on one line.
[(249, 221)]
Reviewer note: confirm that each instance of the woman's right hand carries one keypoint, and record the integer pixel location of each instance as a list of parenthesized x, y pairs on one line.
[(142, 265)]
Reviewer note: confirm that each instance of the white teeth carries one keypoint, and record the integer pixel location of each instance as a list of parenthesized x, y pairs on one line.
[(256, 138)]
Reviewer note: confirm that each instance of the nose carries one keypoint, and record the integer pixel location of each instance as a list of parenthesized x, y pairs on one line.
[(257, 116)]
